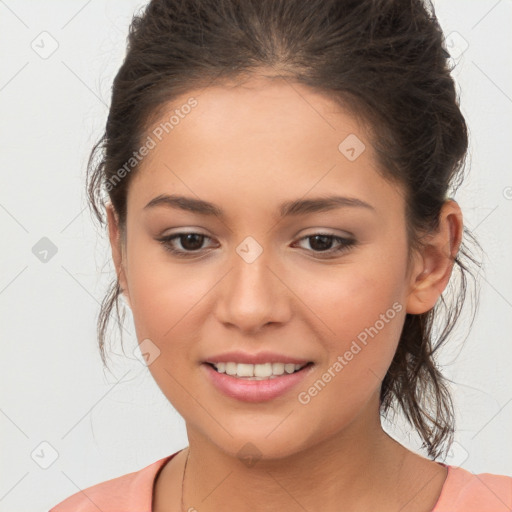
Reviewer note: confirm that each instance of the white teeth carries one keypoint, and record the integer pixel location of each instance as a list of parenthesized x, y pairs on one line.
[(231, 368), (289, 368), (257, 371), (262, 370), (245, 370), (278, 368)]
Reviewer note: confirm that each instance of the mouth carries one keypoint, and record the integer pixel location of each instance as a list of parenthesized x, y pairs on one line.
[(262, 371)]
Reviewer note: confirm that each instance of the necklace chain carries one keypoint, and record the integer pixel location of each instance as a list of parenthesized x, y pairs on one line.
[(183, 483)]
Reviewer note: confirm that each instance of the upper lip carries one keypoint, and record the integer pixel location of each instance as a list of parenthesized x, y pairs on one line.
[(258, 358)]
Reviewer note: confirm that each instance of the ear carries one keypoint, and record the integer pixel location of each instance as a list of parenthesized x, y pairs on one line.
[(433, 263), (117, 248)]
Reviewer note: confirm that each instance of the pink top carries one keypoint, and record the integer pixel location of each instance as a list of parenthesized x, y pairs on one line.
[(462, 492)]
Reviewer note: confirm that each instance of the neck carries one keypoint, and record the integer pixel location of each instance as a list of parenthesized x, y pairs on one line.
[(359, 469)]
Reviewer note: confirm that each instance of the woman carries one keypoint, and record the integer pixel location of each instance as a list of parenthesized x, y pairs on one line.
[(278, 177)]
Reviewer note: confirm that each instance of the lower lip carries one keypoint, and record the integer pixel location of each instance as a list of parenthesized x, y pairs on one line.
[(255, 390)]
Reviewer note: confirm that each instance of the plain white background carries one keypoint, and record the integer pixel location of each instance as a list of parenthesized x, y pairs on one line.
[(66, 423)]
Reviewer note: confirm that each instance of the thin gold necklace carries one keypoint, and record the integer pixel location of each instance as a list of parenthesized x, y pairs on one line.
[(183, 482)]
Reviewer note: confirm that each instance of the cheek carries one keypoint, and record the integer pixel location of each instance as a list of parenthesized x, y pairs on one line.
[(365, 329), (350, 299), (163, 294), (166, 305), (361, 310)]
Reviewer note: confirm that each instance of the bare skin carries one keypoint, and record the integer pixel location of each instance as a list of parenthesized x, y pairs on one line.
[(413, 485), (248, 149)]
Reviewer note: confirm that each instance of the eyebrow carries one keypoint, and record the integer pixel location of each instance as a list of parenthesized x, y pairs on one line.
[(289, 208)]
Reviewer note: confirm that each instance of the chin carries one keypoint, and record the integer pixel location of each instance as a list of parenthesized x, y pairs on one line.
[(271, 440)]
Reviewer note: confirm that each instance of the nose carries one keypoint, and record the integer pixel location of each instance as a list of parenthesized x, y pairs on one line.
[(253, 295)]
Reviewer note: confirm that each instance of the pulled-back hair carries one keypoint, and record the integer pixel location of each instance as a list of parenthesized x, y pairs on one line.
[(383, 60)]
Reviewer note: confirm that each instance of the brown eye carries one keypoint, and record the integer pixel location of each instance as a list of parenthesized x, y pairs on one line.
[(191, 243), (323, 243)]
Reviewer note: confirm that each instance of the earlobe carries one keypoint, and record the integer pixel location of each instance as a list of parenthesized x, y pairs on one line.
[(434, 264), (116, 246)]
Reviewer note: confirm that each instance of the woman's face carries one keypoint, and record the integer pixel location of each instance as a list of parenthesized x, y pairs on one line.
[(251, 281)]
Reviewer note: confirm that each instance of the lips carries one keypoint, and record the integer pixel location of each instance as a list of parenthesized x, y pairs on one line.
[(255, 377)]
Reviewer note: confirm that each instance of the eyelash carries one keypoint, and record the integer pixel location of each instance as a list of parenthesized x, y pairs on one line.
[(346, 244)]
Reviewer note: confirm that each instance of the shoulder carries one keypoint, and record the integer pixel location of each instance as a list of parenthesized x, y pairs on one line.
[(127, 493), (468, 492)]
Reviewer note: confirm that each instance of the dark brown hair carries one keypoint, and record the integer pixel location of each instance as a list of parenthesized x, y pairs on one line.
[(385, 61)]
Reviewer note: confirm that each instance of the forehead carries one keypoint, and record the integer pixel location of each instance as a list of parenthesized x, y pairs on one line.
[(261, 138), (255, 111)]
